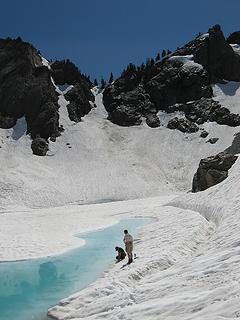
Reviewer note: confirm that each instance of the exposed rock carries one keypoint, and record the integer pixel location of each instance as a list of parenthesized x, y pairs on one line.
[(79, 104), (212, 140), (183, 125), (212, 170), (7, 122), (39, 147), (170, 84), (215, 54), (176, 83), (66, 72), (127, 108), (235, 147), (153, 121), (204, 134), (26, 88), (125, 116), (234, 38), (203, 110)]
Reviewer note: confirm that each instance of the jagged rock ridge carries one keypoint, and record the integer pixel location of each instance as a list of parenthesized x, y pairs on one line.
[(169, 85)]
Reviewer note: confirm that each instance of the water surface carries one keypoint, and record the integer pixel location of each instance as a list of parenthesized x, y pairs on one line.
[(29, 288)]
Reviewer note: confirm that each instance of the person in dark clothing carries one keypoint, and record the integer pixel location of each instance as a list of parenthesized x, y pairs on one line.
[(121, 254)]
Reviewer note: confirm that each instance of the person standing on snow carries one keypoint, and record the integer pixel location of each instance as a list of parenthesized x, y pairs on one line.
[(128, 240)]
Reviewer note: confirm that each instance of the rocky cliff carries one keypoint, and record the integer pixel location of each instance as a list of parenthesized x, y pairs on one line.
[(27, 89), (181, 81)]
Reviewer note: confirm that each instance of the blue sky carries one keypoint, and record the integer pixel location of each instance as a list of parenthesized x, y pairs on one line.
[(104, 36)]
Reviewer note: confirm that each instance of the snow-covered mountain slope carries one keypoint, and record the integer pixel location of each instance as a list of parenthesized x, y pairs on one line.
[(188, 266), (97, 161), (188, 258)]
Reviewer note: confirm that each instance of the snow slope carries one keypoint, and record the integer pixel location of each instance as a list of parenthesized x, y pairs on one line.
[(189, 257), (97, 161), (188, 266)]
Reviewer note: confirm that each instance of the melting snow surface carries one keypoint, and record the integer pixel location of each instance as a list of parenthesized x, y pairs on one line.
[(188, 265)]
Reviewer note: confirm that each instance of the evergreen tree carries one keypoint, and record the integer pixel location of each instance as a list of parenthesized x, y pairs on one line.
[(169, 51), (142, 67), (103, 83), (95, 82), (148, 63), (110, 78), (164, 53), (158, 57)]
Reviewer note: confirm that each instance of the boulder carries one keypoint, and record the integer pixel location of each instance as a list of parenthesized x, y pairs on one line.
[(212, 170), (183, 125), (39, 147), (204, 134), (212, 140), (153, 121)]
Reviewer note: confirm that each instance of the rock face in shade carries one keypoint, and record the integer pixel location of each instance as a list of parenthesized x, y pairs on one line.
[(234, 38), (26, 89), (212, 170), (65, 72), (79, 104), (140, 92)]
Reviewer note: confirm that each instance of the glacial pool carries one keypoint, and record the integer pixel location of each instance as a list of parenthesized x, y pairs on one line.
[(29, 288)]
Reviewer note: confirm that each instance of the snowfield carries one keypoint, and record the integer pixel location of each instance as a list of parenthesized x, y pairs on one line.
[(188, 266), (97, 173)]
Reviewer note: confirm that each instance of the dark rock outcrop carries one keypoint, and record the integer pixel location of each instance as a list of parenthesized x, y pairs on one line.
[(127, 108), (183, 125), (204, 134), (212, 170), (26, 88), (235, 147), (215, 54), (176, 83), (212, 140), (206, 109), (152, 120), (79, 104), (65, 72), (7, 122), (173, 81), (39, 147), (234, 38)]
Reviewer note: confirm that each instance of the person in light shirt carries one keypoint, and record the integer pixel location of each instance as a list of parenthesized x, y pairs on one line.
[(128, 240)]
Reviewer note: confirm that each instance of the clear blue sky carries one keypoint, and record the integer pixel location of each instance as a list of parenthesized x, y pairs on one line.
[(104, 36)]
